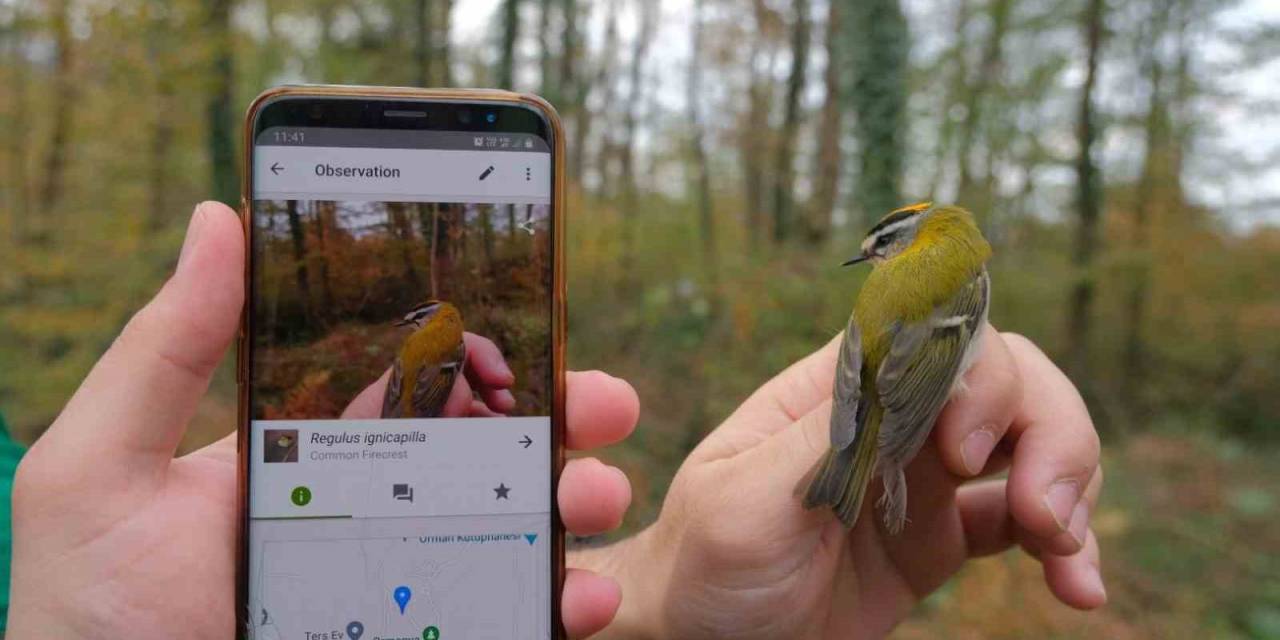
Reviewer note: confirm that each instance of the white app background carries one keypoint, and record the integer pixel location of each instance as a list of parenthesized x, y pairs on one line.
[(448, 517)]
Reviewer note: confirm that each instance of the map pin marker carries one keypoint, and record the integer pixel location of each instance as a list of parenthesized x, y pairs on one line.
[(401, 595), (355, 630)]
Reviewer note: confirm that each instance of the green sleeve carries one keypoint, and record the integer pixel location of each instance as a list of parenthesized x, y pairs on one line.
[(10, 453)]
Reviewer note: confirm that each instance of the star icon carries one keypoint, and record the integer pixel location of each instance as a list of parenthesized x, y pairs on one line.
[(502, 490)]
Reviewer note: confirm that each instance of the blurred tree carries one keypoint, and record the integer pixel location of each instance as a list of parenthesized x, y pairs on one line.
[(225, 185), (879, 44), (784, 165), (424, 44), (504, 76), (64, 97), (627, 165), (988, 76), (756, 134), (830, 134), (701, 183), (1088, 207)]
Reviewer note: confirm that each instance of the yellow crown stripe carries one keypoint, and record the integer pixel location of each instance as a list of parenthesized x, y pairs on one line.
[(919, 206)]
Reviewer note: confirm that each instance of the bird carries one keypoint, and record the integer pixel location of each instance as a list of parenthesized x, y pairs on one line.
[(429, 361), (915, 329)]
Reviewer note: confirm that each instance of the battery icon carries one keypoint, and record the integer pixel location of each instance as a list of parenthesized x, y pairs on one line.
[(528, 143)]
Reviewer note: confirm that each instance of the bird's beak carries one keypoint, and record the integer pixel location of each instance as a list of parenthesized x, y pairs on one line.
[(852, 261)]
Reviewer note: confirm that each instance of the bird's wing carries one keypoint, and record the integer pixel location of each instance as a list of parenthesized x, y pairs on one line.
[(391, 399), (848, 388), (923, 362), (435, 382)]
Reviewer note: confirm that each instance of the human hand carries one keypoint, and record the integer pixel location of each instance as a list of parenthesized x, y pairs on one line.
[(734, 554), (115, 538), (485, 371)]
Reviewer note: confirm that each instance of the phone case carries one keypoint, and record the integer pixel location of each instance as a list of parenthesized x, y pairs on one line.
[(558, 305)]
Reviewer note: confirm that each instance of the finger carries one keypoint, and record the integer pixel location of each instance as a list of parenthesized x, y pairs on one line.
[(600, 411), (498, 401), (1077, 579), (1057, 448), (460, 399), (589, 602), (977, 417), (1072, 540), (485, 365), (593, 496), (984, 514), (133, 407), (368, 403), (481, 410), (780, 402)]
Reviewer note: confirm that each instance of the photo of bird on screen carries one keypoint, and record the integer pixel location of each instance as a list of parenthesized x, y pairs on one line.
[(914, 332), (430, 359)]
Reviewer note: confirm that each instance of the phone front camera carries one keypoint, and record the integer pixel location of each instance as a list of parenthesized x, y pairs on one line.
[(491, 117)]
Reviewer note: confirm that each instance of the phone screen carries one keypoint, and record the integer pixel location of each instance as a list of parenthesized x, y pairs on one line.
[(400, 372)]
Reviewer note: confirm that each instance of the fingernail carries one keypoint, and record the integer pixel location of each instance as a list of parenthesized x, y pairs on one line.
[(1094, 579), (1079, 526), (1061, 501), (976, 448), (193, 233)]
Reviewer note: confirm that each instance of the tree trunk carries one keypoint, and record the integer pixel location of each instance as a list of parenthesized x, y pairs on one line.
[(1089, 206), (630, 198), (17, 133), (222, 160), (702, 178), (956, 87), (443, 64), (546, 56), (879, 42), (784, 167), (988, 74), (757, 133), (55, 161), (323, 213), (830, 133), (423, 46), (507, 49), (299, 239), (158, 54), (572, 95), (603, 73)]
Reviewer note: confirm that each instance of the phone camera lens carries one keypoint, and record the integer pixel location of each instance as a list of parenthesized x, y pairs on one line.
[(491, 117)]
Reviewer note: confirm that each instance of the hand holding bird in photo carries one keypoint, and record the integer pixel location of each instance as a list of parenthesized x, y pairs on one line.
[(914, 331), (429, 361)]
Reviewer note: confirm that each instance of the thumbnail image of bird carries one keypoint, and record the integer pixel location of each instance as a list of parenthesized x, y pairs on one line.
[(429, 361), (280, 445), (914, 331)]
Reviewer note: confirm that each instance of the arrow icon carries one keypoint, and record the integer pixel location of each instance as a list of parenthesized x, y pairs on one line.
[(276, 168), (526, 441)]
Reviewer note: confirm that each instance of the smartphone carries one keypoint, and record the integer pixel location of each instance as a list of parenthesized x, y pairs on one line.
[(401, 365)]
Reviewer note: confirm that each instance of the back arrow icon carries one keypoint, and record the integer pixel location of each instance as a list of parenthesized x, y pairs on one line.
[(526, 441), (276, 168)]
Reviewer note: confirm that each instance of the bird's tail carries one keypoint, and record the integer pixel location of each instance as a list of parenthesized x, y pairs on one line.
[(842, 477), (894, 500)]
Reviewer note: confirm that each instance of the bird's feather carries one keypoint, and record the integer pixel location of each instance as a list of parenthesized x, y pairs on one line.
[(847, 388), (435, 383), (915, 380), (391, 399)]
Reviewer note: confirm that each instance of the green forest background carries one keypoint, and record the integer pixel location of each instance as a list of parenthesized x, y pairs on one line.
[(724, 157)]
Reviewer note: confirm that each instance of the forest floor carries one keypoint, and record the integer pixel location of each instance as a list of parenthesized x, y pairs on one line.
[(1186, 523)]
